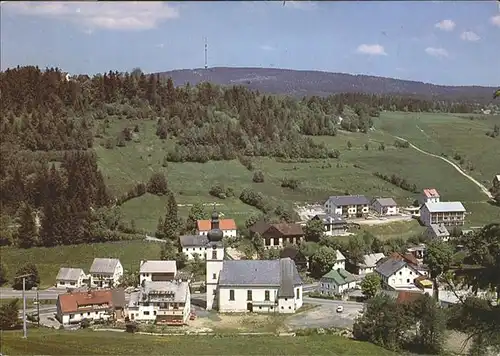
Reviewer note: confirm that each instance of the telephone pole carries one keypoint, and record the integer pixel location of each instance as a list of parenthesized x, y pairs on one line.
[(25, 329)]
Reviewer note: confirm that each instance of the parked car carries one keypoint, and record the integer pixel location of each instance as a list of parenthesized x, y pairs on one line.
[(340, 309)]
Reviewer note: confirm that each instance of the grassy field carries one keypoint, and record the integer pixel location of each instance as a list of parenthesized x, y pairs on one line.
[(112, 343), (49, 260), (352, 173)]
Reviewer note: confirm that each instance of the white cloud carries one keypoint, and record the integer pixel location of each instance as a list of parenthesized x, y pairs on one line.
[(470, 36), (267, 48), (436, 52), (136, 15), (495, 20), (301, 5), (445, 25), (374, 49)]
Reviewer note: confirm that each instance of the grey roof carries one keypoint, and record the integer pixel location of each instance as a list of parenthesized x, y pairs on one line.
[(69, 274), (386, 201), (104, 265), (445, 206), (371, 259), (330, 218), (286, 273), (344, 200), (158, 267), (439, 230), (178, 291), (389, 267), (193, 240), (272, 273), (118, 298)]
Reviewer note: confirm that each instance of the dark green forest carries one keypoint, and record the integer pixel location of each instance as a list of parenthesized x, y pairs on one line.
[(49, 124)]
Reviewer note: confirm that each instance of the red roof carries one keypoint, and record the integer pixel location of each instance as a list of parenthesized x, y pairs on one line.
[(408, 257), (84, 301), (407, 297), (224, 224), (431, 193)]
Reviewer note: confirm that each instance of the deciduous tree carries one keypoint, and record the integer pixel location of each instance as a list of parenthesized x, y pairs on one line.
[(370, 285)]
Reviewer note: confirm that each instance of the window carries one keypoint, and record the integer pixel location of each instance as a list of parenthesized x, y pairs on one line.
[(231, 294), (146, 312), (408, 280), (214, 255), (400, 273), (286, 299), (266, 295), (88, 313), (154, 313), (72, 316), (289, 307), (249, 295), (214, 292), (214, 276), (298, 293)]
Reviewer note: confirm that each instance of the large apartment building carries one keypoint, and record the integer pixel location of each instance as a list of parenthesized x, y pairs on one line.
[(347, 205), (446, 213)]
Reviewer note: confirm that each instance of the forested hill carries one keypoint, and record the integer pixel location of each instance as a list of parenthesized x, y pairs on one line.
[(307, 83)]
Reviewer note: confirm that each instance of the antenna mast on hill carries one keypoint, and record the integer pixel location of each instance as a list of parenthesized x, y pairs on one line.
[(206, 54)]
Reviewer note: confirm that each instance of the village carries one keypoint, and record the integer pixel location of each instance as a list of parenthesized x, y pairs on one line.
[(168, 296)]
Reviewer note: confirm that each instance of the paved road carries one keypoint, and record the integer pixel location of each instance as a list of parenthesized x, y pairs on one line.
[(453, 164)]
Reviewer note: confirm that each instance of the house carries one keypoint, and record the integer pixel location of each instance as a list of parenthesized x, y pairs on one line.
[(348, 205), (368, 265), (249, 285), (496, 181), (277, 235), (429, 195), (157, 271), (417, 251), (336, 282), (260, 286), (105, 272), (70, 278), (165, 302), (438, 231), (72, 308), (192, 245), (297, 256), (385, 206), (339, 260), (335, 225), (259, 227), (446, 213), (397, 273), (228, 227)]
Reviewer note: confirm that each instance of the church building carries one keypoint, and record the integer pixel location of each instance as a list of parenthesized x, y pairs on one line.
[(239, 286)]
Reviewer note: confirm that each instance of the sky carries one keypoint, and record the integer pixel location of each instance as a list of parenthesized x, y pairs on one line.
[(441, 42)]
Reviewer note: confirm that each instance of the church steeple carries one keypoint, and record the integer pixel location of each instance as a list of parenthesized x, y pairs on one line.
[(215, 234)]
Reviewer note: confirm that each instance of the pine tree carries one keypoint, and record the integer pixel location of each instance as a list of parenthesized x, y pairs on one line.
[(171, 222), (159, 229), (27, 235)]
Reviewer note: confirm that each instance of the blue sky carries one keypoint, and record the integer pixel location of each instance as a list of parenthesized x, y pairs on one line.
[(454, 43)]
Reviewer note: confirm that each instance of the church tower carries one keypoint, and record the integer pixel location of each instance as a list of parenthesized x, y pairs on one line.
[(214, 260)]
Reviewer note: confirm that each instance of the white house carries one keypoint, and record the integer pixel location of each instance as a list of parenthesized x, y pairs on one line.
[(339, 261), (397, 274), (157, 271), (336, 282), (105, 272), (70, 278), (72, 308), (335, 225), (161, 302), (194, 245), (259, 286), (369, 263), (429, 195), (348, 205), (450, 213), (438, 231), (385, 206), (227, 226)]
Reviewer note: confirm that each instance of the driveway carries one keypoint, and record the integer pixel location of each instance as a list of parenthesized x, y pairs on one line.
[(325, 315)]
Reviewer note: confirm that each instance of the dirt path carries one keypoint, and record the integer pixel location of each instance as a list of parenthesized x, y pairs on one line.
[(453, 164)]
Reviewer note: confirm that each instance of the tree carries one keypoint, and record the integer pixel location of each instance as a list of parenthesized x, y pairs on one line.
[(370, 285), (130, 279), (197, 212), (157, 184), (438, 258), (258, 177), (349, 145), (431, 325), (3, 274), (27, 235), (171, 221), (258, 244), (322, 261), (32, 280), (314, 230), (168, 251), (9, 315)]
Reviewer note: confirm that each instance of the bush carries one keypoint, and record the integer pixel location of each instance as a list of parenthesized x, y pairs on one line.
[(131, 327), (290, 183), (85, 323), (258, 177), (218, 192), (157, 184)]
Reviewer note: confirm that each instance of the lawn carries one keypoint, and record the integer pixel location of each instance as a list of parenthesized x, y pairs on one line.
[(352, 173), (404, 229), (48, 342), (49, 260)]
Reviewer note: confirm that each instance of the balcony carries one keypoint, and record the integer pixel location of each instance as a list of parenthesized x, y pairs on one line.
[(173, 312)]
